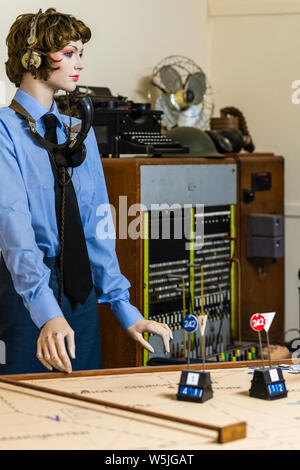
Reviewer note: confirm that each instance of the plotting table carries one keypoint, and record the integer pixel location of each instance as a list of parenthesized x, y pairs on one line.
[(37, 420)]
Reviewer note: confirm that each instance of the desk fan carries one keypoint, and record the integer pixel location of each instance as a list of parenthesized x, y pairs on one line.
[(184, 94)]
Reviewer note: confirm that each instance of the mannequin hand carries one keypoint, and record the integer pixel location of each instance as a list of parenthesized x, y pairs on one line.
[(276, 352), (51, 350), (142, 326)]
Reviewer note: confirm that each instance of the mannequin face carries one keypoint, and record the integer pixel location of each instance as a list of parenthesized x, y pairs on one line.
[(67, 75)]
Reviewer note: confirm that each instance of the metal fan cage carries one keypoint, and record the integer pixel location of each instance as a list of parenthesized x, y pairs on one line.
[(199, 115)]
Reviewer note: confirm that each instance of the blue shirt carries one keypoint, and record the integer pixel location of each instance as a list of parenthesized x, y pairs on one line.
[(28, 226)]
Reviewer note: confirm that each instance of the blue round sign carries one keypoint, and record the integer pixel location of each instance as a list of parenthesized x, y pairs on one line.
[(190, 323)]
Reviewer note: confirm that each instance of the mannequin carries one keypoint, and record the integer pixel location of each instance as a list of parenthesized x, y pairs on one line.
[(31, 319)]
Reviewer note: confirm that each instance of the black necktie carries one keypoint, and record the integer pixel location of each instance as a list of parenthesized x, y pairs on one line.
[(77, 272)]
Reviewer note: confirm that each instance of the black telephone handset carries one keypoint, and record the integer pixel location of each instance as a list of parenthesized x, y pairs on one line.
[(86, 112), (72, 152), (75, 150)]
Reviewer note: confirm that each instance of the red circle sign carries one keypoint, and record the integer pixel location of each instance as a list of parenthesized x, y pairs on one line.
[(257, 322)]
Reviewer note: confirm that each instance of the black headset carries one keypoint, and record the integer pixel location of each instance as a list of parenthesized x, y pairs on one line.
[(228, 140), (232, 140)]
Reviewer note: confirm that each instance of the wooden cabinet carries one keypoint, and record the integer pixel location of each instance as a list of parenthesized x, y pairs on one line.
[(262, 281)]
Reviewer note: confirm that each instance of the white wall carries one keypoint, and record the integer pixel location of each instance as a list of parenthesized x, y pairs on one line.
[(129, 37), (254, 60)]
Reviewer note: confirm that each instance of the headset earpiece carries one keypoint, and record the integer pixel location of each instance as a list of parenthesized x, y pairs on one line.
[(32, 58), (221, 142), (235, 137), (227, 140)]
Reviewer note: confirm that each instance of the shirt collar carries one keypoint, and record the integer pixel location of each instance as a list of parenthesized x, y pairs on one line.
[(34, 107)]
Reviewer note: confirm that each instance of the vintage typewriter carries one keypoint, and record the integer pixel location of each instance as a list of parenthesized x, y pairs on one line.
[(125, 127)]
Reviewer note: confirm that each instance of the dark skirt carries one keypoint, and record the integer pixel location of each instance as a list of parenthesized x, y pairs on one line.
[(19, 335)]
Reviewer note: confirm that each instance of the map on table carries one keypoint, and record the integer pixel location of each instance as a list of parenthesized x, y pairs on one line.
[(36, 420)]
